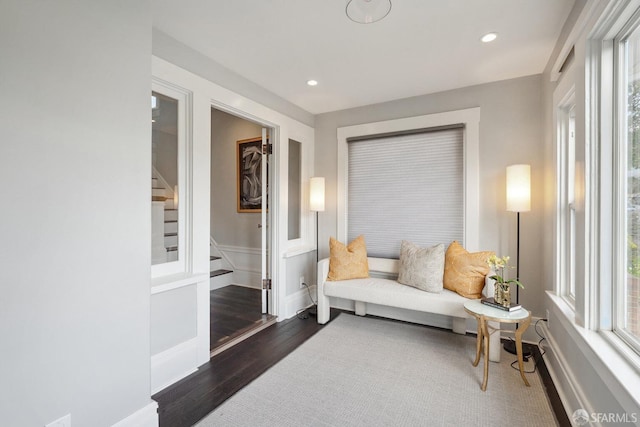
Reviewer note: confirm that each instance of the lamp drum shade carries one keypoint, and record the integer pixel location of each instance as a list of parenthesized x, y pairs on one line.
[(316, 194), (519, 188)]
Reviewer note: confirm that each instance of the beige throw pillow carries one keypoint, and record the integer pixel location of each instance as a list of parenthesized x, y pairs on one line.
[(348, 262), (464, 272), (421, 268)]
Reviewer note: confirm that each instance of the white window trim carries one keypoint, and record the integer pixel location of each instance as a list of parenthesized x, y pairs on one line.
[(604, 223), (185, 112), (620, 191), (563, 97), (307, 240), (470, 118)]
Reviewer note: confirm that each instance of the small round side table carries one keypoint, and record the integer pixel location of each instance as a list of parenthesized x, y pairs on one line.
[(483, 314)]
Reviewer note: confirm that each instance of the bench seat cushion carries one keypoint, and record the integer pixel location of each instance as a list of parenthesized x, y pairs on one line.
[(391, 293)]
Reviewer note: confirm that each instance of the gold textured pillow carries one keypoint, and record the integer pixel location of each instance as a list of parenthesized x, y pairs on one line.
[(464, 272), (348, 262)]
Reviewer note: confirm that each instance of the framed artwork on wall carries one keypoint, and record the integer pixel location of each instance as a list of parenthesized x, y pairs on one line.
[(249, 166)]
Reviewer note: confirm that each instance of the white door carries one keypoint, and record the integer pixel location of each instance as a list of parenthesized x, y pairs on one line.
[(266, 228)]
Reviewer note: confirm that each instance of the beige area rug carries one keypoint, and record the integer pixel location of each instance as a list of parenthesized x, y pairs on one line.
[(374, 372)]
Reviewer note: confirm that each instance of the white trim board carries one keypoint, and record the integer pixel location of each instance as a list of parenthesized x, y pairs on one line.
[(470, 118), (569, 390), (143, 417), (173, 364)]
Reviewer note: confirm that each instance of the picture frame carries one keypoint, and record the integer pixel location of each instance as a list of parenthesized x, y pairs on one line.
[(249, 175)]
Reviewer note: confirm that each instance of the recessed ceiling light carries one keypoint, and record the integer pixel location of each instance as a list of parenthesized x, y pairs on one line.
[(312, 82), (489, 37)]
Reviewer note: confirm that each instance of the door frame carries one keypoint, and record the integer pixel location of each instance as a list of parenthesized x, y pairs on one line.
[(274, 305), (207, 94)]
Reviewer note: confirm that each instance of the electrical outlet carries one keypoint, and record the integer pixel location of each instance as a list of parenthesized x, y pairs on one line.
[(301, 282), (548, 320), (61, 422)]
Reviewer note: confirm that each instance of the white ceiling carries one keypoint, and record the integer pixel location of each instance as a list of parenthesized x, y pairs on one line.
[(422, 46)]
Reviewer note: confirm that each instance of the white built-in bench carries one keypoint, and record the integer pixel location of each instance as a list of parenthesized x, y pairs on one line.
[(389, 292)]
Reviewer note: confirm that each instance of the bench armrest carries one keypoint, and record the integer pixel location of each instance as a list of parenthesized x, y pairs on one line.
[(323, 272), (323, 300)]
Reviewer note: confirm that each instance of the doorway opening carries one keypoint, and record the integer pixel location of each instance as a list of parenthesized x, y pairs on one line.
[(240, 242)]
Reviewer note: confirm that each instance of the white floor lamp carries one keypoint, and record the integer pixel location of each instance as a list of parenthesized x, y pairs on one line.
[(316, 204), (518, 200)]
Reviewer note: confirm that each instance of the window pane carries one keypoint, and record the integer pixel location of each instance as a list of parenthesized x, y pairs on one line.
[(571, 197), (295, 163), (164, 179), (567, 177), (629, 300)]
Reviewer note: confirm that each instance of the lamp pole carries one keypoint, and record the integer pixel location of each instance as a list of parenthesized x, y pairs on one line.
[(518, 200), (316, 204)]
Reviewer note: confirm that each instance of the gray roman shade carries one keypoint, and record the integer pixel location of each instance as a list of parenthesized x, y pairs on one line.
[(406, 187)]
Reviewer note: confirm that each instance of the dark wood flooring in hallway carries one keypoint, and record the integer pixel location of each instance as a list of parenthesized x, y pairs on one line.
[(235, 310)]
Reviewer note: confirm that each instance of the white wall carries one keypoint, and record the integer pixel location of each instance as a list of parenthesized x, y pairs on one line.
[(510, 132), (75, 162), (177, 53)]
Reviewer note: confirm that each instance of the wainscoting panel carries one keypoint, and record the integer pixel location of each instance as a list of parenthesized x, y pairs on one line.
[(245, 263)]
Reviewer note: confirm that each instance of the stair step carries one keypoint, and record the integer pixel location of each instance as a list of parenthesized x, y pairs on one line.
[(170, 215), (159, 199), (171, 240), (172, 248), (220, 278), (154, 182), (171, 226), (215, 263), (220, 272), (158, 192)]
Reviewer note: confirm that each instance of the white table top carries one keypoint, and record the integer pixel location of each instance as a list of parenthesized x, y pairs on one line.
[(480, 309)]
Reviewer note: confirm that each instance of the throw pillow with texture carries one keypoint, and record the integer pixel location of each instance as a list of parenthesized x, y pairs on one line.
[(422, 268), (348, 262), (464, 272)]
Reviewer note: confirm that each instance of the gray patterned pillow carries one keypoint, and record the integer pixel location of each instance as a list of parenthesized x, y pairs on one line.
[(421, 268)]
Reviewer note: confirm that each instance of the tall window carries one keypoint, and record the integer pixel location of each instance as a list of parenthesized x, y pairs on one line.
[(627, 187), (566, 118), (407, 187)]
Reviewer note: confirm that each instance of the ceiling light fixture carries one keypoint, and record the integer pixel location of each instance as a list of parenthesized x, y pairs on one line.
[(367, 11), (312, 82), (489, 37)]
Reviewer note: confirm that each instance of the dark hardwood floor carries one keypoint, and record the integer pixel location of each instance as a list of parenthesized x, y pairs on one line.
[(191, 399), (235, 310)]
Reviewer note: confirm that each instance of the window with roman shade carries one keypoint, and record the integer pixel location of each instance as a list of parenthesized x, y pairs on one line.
[(407, 186)]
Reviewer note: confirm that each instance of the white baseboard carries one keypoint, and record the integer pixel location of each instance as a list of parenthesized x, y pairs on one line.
[(144, 417), (298, 300), (565, 382), (173, 364), (247, 278)]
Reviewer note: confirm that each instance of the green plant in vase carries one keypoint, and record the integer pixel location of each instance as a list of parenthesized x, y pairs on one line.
[(502, 292)]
